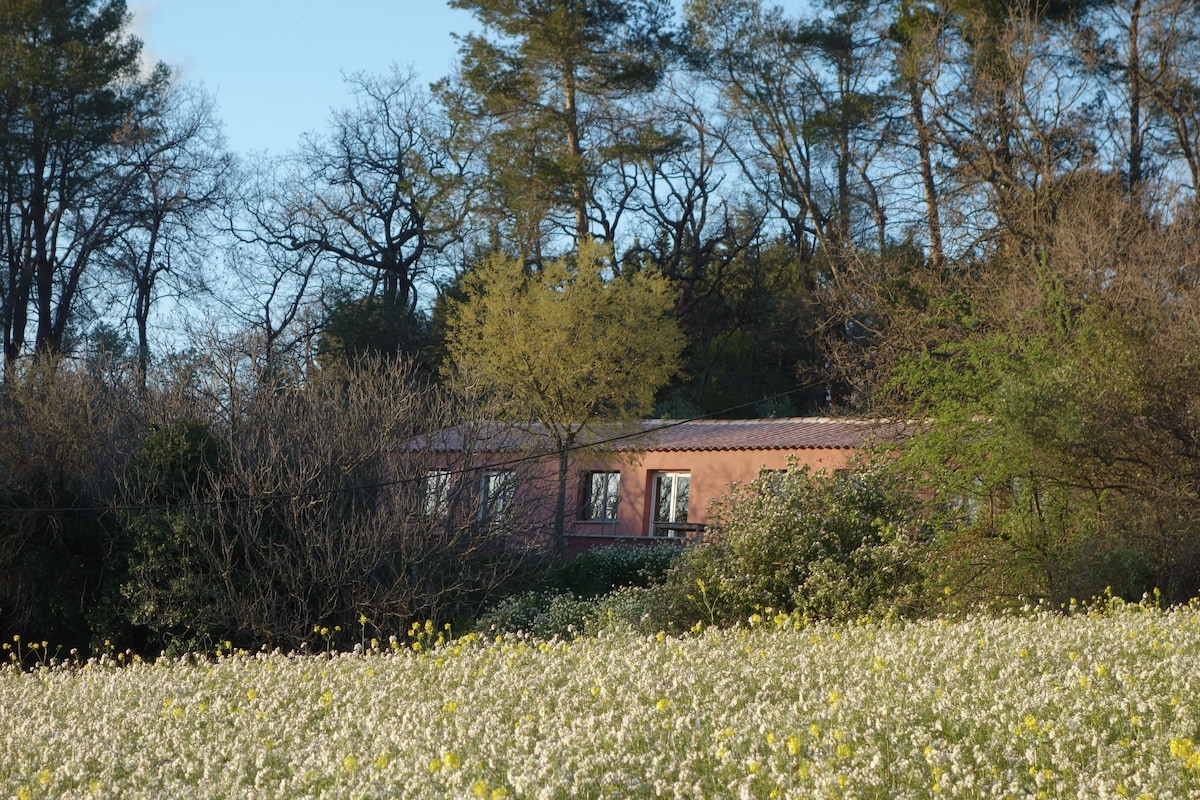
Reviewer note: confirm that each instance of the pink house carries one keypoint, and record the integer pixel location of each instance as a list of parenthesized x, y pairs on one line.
[(633, 482)]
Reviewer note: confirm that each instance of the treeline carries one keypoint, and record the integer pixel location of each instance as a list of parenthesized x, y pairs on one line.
[(981, 215), (773, 164)]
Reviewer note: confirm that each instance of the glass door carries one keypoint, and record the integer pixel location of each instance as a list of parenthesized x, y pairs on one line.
[(671, 491)]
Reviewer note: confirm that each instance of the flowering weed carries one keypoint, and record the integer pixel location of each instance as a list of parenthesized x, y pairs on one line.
[(1078, 705)]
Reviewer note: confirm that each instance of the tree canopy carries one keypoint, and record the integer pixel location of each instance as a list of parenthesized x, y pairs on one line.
[(559, 343), (976, 215), (547, 88), (565, 345)]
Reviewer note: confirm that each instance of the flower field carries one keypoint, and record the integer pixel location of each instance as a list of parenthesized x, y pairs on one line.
[(1087, 705)]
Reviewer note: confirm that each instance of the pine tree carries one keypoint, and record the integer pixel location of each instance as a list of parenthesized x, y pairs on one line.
[(546, 88)]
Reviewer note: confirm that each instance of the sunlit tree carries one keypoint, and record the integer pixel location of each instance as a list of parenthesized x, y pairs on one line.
[(566, 346)]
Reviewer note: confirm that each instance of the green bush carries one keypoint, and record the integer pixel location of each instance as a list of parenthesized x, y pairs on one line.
[(596, 572), (636, 608), (829, 546), (552, 614), (543, 614), (603, 588), (168, 588)]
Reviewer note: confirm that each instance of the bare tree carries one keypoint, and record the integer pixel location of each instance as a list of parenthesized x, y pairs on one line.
[(179, 174), (1009, 109), (312, 507), (377, 198), (1173, 35)]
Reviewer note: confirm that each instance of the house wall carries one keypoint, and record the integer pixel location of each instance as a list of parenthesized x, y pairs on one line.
[(711, 473)]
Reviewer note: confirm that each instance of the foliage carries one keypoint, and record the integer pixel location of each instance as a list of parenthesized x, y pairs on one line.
[(545, 615), (555, 346), (71, 98), (547, 90), (827, 546), (595, 590), (1058, 444), (1061, 476), (301, 512), (751, 322), (556, 614), (169, 582), (600, 570), (554, 343), (366, 326), (65, 436)]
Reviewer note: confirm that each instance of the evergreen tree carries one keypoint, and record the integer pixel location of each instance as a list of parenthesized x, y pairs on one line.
[(68, 90), (546, 89)]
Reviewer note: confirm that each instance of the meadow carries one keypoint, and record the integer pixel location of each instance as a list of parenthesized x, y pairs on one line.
[(1096, 704)]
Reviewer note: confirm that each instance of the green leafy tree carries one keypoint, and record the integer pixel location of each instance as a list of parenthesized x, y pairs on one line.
[(1059, 452), (356, 328), (169, 584), (567, 345)]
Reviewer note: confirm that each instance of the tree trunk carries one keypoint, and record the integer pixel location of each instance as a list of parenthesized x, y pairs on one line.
[(579, 193), (1134, 72), (932, 211), (560, 500)]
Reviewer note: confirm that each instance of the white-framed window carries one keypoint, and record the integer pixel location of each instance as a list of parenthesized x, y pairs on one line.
[(671, 492), (600, 495), (496, 491), (436, 493)]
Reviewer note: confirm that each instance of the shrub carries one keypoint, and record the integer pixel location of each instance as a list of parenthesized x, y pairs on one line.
[(829, 546), (599, 571), (553, 614), (169, 584), (543, 614), (636, 608), (299, 511), (65, 434)]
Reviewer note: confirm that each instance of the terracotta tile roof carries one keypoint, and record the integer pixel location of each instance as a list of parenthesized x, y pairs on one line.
[(479, 437), (795, 433)]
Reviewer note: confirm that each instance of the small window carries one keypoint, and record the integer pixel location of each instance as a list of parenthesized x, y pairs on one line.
[(600, 495), (437, 493), (496, 493)]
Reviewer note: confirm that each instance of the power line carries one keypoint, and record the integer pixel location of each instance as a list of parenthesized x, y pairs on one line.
[(323, 493)]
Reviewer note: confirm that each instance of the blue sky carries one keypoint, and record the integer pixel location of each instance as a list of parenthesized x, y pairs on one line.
[(275, 66)]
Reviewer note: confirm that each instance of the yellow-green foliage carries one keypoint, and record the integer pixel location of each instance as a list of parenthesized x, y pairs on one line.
[(1035, 706), (568, 342)]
